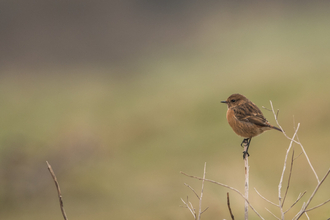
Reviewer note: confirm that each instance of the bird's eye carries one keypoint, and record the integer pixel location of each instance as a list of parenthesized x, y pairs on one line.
[(233, 100)]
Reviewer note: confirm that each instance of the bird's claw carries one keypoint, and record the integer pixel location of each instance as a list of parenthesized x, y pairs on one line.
[(245, 153), (245, 141)]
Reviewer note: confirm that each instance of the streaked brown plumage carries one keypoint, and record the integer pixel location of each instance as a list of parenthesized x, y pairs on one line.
[(245, 118)]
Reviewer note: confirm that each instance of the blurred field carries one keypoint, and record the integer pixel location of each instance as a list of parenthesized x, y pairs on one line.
[(117, 134)]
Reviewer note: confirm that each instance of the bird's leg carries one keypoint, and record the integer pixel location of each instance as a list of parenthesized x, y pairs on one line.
[(244, 141), (247, 142)]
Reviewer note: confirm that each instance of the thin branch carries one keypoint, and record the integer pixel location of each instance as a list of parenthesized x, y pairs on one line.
[(266, 199), (297, 200), (191, 189), (58, 190), (307, 158), (317, 187), (283, 171), (190, 206), (298, 156), (228, 203), (204, 210), (315, 207), (295, 217), (278, 111), (297, 142), (284, 166), (246, 188), (191, 209), (290, 173), (226, 186), (273, 214), (309, 162), (201, 197), (266, 108), (303, 210), (307, 215)]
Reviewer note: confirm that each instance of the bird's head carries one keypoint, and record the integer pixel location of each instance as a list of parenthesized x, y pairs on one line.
[(234, 100)]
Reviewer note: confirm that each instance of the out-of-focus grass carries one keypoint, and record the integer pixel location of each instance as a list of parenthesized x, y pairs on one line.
[(117, 136)]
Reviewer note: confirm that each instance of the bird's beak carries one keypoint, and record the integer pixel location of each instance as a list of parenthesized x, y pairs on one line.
[(223, 101)]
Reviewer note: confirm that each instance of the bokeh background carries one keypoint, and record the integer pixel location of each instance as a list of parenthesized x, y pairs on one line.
[(120, 96)]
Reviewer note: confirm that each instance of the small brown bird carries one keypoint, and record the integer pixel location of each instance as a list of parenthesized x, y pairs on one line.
[(246, 119)]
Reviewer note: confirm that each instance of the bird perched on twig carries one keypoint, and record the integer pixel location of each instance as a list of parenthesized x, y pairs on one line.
[(246, 119)]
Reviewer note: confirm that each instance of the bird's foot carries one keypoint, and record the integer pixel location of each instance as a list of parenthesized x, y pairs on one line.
[(245, 153), (245, 141)]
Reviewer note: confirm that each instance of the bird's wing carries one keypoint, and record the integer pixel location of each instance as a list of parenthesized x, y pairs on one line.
[(259, 120), (249, 112)]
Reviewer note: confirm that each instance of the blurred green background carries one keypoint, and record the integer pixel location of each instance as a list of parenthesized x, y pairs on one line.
[(121, 96)]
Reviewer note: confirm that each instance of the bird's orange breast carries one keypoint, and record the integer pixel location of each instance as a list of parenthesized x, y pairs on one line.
[(242, 128)]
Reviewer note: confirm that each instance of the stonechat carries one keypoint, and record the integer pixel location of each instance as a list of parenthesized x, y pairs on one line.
[(246, 119)]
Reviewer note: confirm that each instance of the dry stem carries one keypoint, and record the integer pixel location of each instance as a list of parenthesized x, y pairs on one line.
[(226, 186), (297, 142), (189, 204), (304, 209), (265, 198), (283, 171), (246, 186), (200, 200), (297, 200), (58, 190), (228, 203), (273, 214), (289, 179)]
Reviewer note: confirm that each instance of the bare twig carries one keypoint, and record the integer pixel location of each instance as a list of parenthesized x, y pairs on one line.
[(204, 210), (266, 199), (283, 171), (189, 206), (307, 215), (284, 166), (273, 214), (201, 197), (295, 217), (315, 207), (304, 208), (266, 108), (297, 200), (297, 142), (309, 162), (278, 111), (192, 190), (58, 190), (289, 178), (226, 186), (292, 140), (228, 204), (298, 156), (246, 188)]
